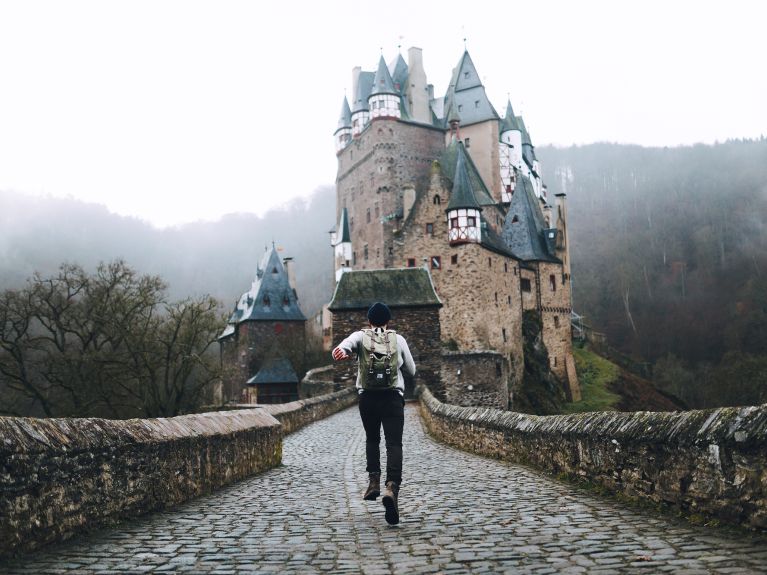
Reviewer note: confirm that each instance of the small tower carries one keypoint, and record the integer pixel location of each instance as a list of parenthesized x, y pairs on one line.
[(384, 100), (363, 83), (342, 246), (343, 133), (463, 210), (510, 153)]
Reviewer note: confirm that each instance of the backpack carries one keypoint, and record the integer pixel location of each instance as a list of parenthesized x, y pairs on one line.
[(378, 359)]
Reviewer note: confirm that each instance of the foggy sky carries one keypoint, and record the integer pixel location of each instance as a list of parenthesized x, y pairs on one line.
[(175, 111)]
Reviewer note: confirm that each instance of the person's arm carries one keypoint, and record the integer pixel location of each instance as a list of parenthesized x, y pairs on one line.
[(344, 349), (407, 357)]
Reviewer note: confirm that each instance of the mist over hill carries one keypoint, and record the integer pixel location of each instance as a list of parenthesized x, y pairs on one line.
[(668, 248), (669, 258), (217, 258)]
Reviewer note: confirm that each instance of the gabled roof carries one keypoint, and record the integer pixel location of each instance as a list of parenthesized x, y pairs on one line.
[(397, 288), (523, 129), (462, 194), (345, 120), (343, 225), (449, 162), (382, 83), (509, 120), (364, 85), (524, 227), (270, 297), (274, 371), (467, 94)]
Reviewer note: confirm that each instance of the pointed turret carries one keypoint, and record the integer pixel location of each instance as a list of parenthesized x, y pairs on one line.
[(363, 84), (509, 122), (467, 94), (463, 209), (384, 100), (343, 133), (342, 245), (524, 229), (510, 152)]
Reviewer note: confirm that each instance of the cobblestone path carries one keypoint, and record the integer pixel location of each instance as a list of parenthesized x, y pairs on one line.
[(460, 514)]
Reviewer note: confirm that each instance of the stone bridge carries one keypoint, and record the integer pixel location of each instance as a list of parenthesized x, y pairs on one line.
[(461, 513)]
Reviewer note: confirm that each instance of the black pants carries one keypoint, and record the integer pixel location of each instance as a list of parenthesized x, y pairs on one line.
[(385, 408)]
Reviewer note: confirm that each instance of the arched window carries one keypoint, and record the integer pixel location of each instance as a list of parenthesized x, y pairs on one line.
[(437, 200)]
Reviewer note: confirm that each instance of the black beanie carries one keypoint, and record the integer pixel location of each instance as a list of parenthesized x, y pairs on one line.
[(379, 314)]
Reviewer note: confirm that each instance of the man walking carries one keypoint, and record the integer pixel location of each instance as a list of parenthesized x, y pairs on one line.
[(382, 353)]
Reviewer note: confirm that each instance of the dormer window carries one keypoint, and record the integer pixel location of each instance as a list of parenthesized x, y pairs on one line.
[(514, 220), (267, 302), (286, 301), (466, 75), (274, 270)]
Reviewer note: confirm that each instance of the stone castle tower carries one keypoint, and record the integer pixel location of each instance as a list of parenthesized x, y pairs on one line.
[(447, 184), (266, 328)]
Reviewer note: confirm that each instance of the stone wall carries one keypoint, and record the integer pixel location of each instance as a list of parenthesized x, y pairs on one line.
[(712, 462), (319, 381), (58, 476), (476, 378), (420, 328), (61, 476)]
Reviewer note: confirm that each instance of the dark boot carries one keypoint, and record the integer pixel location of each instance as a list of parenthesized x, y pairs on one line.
[(389, 501), (374, 487)]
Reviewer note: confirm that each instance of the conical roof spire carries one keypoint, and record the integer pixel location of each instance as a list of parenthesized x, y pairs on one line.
[(345, 120), (462, 195), (509, 121), (383, 83)]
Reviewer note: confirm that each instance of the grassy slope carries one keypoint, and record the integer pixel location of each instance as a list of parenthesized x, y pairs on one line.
[(595, 375)]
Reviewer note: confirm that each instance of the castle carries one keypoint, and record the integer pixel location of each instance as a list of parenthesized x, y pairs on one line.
[(447, 184)]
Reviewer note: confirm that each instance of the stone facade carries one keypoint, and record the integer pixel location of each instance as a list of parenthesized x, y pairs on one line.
[(711, 462), (475, 378)]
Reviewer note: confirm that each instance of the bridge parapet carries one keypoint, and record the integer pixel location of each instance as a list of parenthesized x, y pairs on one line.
[(712, 462), (61, 476)]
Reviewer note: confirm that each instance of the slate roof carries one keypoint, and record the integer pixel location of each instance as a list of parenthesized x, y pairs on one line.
[(509, 120), (271, 285), (467, 94), (526, 236), (397, 288), (400, 74), (274, 371), (364, 86), (449, 161), (346, 235), (382, 83), (345, 120), (462, 195)]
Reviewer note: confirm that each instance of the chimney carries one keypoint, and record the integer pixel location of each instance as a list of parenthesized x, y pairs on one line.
[(417, 89), (288, 263)]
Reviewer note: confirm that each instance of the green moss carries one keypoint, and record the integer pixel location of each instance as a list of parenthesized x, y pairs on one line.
[(594, 374)]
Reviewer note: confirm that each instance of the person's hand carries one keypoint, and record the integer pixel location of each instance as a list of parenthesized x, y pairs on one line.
[(340, 354)]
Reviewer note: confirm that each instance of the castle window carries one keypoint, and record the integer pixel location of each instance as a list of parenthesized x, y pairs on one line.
[(429, 229), (489, 262), (367, 216), (453, 222), (378, 252), (375, 105), (508, 298), (354, 258), (476, 103), (467, 142), (555, 361), (436, 262), (506, 267), (454, 259), (267, 302), (277, 328), (285, 301), (553, 282), (503, 332), (514, 220), (466, 75), (365, 252), (515, 271), (437, 200), (556, 321), (274, 270), (525, 283), (377, 211), (460, 107), (496, 297), (498, 368), (471, 221), (391, 250), (411, 262)]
